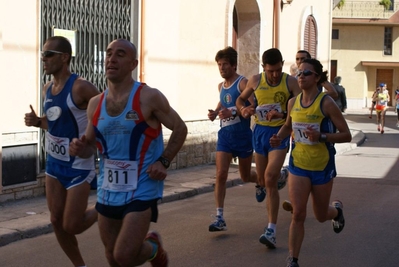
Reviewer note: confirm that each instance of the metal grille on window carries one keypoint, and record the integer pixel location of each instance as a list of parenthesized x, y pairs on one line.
[(96, 23)]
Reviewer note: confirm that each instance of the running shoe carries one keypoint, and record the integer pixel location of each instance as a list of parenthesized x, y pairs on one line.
[(161, 257), (218, 225), (268, 238), (338, 225), (260, 193), (287, 206), (282, 181), (290, 263)]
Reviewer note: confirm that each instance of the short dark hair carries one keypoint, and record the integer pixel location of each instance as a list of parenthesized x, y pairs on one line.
[(228, 53), (305, 52), (63, 45), (272, 56)]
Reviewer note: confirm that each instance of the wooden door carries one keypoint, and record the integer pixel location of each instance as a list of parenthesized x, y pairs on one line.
[(386, 76)]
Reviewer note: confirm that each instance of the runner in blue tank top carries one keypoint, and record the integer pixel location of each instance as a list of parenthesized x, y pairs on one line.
[(234, 136), (126, 125), (68, 178)]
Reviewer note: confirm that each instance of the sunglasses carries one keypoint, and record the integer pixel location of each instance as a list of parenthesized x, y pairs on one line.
[(50, 53), (305, 73)]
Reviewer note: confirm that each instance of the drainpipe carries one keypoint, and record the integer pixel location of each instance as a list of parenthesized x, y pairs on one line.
[(142, 41), (276, 23)]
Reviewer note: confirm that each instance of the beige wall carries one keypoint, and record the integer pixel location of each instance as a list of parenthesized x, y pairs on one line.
[(19, 24), (180, 46), (177, 41), (292, 23), (359, 43)]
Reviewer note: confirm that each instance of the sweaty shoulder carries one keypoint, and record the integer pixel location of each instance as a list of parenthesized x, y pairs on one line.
[(254, 81), (83, 91), (152, 99)]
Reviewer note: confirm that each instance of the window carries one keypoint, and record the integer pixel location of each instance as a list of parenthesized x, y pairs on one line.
[(335, 34), (388, 41), (333, 69), (310, 36)]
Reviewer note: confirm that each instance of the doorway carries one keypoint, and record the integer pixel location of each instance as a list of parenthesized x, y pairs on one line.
[(386, 76)]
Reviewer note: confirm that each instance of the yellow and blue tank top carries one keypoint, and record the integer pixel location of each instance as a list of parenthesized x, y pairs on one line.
[(228, 98), (305, 154), (271, 97), (127, 146)]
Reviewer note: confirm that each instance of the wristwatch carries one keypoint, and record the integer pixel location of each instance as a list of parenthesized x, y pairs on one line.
[(234, 112), (165, 162), (323, 138)]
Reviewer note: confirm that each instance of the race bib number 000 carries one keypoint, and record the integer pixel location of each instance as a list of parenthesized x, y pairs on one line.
[(57, 147)]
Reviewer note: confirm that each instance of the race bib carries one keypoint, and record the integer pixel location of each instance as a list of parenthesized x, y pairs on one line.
[(120, 175), (299, 129), (57, 147), (261, 111), (230, 121)]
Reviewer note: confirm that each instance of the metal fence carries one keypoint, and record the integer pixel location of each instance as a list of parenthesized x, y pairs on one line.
[(370, 9)]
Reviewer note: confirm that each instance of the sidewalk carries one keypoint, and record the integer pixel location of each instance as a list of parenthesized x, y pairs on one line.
[(30, 217)]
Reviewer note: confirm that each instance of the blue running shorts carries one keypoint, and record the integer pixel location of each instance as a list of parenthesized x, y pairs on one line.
[(316, 177), (261, 139), (239, 144), (67, 176)]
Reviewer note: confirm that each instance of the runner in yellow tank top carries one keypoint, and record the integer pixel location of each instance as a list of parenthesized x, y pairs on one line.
[(271, 98), (272, 88), (311, 115)]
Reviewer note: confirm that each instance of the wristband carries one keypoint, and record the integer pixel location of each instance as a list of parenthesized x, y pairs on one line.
[(39, 122)]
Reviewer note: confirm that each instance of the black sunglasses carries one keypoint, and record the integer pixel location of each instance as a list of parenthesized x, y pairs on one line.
[(305, 73), (50, 53)]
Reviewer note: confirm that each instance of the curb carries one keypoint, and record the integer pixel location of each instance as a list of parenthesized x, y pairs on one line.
[(21, 228)]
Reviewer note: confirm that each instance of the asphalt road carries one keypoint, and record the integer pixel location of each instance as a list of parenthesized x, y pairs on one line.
[(367, 184)]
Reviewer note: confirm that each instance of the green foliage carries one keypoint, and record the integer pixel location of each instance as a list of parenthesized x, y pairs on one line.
[(386, 3), (341, 4)]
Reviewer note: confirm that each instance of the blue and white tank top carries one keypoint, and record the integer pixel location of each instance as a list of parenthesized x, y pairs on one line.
[(228, 98), (65, 122)]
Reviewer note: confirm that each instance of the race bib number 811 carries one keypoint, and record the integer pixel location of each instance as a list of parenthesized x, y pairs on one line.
[(120, 175)]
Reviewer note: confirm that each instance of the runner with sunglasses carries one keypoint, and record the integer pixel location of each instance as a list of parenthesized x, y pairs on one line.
[(301, 55), (68, 178), (272, 89), (312, 160)]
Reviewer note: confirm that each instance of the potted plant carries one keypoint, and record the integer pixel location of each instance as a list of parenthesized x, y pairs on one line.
[(386, 3)]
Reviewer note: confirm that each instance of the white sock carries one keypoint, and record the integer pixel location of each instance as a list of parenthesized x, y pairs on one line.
[(272, 226), (219, 212)]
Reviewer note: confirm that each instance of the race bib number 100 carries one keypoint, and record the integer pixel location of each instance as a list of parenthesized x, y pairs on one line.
[(300, 129), (120, 175)]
